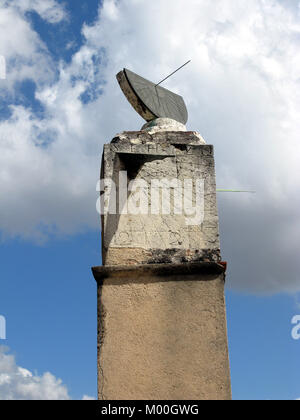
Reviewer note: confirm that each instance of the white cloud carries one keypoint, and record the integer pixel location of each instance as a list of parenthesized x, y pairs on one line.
[(17, 383), (88, 398), (242, 92), (25, 54), (49, 10)]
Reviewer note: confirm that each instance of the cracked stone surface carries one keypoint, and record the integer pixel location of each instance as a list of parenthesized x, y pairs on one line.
[(147, 238)]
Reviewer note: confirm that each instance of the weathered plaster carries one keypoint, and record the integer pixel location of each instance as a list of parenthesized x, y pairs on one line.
[(165, 333), (161, 309)]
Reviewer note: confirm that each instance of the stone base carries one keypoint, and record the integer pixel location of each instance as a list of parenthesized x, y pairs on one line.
[(162, 332)]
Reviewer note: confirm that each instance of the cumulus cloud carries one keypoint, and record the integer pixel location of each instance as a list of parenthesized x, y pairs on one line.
[(25, 54), (17, 383), (242, 93), (49, 10)]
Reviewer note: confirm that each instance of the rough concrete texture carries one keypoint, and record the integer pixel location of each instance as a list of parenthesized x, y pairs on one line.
[(162, 337), (142, 238)]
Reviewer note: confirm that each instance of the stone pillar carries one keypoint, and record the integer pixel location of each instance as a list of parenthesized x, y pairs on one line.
[(161, 310)]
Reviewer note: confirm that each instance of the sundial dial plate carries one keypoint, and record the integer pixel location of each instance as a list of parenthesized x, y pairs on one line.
[(149, 100)]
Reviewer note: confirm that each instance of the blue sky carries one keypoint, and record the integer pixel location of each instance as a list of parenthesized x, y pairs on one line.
[(60, 103)]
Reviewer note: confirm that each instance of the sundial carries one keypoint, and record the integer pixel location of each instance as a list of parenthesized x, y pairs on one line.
[(150, 100)]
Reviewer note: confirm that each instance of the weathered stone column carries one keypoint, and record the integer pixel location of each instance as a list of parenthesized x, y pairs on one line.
[(161, 310)]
